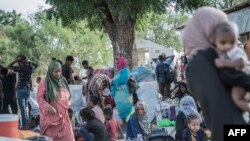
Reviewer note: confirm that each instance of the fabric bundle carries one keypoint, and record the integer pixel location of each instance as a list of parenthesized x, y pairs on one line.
[(142, 74), (109, 72), (97, 84)]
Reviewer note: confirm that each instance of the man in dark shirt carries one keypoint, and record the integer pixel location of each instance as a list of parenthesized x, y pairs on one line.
[(24, 84), (9, 89), (160, 75), (90, 69), (67, 71)]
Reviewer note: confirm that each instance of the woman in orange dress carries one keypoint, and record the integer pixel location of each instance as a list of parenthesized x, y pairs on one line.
[(54, 102)]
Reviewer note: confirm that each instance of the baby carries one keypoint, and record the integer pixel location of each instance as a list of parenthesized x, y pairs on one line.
[(231, 56)]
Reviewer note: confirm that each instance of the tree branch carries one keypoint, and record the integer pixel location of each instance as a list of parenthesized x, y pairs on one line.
[(104, 10)]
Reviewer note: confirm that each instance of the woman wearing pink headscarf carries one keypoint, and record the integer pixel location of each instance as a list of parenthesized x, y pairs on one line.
[(211, 86), (123, 98)]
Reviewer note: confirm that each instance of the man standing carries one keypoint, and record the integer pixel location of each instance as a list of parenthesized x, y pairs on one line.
[(9, 89), (164, 86), (90, 69), (67, 70), (24, 84)]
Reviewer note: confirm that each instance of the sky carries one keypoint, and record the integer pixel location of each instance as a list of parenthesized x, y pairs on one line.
[(22, 6)]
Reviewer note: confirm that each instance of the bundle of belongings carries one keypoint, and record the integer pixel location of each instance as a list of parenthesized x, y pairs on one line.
[(108, 71), (142, 74)]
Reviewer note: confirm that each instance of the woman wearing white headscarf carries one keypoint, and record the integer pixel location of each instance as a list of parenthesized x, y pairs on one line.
[(187, 107), (138, 122), (211, 86)]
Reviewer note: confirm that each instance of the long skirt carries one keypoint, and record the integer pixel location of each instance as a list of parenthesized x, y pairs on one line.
[(123, 100)]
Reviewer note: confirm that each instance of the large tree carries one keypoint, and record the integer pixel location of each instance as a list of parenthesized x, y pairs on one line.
[(117, 17)]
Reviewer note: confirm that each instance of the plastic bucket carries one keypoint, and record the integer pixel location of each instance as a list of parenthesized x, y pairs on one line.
[(9, 125)]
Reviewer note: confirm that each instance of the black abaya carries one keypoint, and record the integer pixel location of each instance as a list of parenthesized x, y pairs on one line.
[(212, 88)]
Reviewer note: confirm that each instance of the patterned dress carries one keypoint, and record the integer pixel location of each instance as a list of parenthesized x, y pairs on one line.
[(58, 125), (96, 85)]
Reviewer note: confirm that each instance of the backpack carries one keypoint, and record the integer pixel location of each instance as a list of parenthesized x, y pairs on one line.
[(169, 74), (132, 85)]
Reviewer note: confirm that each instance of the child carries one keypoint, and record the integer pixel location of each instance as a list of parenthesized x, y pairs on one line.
[(93, 104), (94, 129), (113, 126), (224, 39), (193, 132)]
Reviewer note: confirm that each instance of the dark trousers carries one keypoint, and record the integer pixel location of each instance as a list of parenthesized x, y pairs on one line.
[(5, 103), (87, 136), (164, 89)]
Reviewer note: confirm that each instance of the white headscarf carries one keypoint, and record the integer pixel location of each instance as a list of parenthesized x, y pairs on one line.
[(143, 120), (188, 107)]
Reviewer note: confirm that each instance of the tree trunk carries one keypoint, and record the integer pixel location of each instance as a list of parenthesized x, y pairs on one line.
[(122, 36)]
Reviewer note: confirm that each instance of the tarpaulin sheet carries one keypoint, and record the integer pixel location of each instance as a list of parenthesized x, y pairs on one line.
[(141, 74), (33, 103), (77, 99), (148, 93)]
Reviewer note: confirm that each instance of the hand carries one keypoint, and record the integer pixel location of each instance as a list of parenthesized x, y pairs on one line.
[(52, 110), (240, 63), (153, 127), (219, 63), (172, 96)]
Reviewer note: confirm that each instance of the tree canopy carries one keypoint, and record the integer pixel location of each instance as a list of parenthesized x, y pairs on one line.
[(116, 17), (41, 39)]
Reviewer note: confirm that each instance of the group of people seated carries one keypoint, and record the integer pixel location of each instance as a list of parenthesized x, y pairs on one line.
[(112, 111)]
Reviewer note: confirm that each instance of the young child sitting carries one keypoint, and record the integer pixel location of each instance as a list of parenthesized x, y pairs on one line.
[(93, 104), (113, 126), (225, 39), (193, 132)]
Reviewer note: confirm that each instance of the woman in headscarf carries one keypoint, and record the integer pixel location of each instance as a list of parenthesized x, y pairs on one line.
[(180, 91), (138, 122), (54, 102), (98, 85), (211, 86), (187, 107), (120, 92)]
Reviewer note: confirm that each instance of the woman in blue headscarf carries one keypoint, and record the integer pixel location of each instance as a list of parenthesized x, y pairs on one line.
[(187, 107)]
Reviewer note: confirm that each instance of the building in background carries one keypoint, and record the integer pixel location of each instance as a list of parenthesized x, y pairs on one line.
[(240, 14), (149, 51)]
